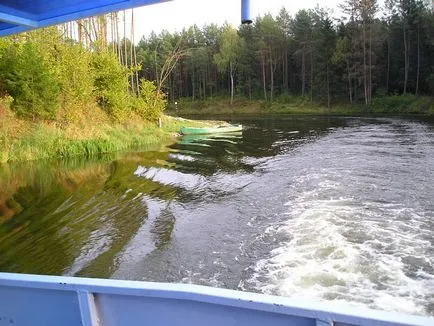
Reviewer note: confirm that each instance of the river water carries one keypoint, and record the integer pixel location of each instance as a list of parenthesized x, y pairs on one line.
[(336, 209)]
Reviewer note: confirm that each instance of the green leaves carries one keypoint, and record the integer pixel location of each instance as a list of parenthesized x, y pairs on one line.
[(151, 104), (110, 84), (30, 81), (230, 45), (51, 77)]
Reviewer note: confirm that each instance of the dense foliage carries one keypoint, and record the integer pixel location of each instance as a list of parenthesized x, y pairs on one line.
[(29, 80), (53, 77), (373, 51)]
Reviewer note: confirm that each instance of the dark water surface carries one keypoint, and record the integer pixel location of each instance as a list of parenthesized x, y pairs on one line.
[(335, 209)]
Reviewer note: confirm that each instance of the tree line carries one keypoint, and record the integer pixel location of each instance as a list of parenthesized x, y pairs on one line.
[(49, 73), (373, 51)]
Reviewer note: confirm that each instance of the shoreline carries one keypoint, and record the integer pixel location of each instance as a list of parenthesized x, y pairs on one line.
[(47, 141), (24, 140), (296, 105)]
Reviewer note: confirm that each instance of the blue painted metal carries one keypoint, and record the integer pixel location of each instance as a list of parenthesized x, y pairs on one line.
[(17, 20), (23, 15), (54, 300), (245, 12)]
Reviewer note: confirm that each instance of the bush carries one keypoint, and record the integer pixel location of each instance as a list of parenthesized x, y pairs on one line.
[(110, 84), (71, 63), (150, 104), (30, 81), (75, 75)]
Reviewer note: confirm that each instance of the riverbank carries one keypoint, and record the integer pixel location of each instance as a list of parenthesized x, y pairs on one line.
[(91, 134), (385, 105)]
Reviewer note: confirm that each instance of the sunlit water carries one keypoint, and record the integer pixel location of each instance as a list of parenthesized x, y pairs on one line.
[(328, 209)]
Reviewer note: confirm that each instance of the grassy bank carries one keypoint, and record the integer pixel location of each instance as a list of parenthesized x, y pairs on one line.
[(385, 105), (94, 133)]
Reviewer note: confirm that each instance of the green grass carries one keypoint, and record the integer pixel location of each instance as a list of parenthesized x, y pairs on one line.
[(288, 104), (45, 141), (409, 104)]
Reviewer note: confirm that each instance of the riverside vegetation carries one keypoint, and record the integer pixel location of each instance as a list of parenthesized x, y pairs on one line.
[(59, 98), (82, 88)]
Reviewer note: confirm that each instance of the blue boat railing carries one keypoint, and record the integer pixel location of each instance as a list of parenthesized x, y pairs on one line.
[(56, 300)]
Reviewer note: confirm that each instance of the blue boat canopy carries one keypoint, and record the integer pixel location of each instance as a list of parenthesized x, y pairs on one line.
[(21, 15)]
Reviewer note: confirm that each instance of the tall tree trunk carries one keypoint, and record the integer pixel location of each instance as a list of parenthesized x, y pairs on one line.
[(180, 82), (291, 76), (311, 73), (133, 80), (303, 73), (365, 79), (370, 65), (232, 81), (328, 85), (263, 76), (406, 61), (204, 84), (418, 58), (118, 41), (112, 29), (216, 81), (125, 41), (350, 88), (388, 64), (250, 88), (271, 78), (135, 53), (200, 87), (102, 31), (95, 32), (210, 81), (285, 72), (80, 32), (193, 84), (157, 74)]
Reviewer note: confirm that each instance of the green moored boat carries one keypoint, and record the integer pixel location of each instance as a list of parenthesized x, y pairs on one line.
[(211, 130)]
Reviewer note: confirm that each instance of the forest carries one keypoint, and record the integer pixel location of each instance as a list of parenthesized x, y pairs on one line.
[(369, 53)]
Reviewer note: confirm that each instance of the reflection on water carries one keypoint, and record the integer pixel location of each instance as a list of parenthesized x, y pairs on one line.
[(330, 209)]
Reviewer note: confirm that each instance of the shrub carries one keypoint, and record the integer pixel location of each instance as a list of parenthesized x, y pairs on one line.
[(110, 84), (75, 75), (150, 104), (30, 81)]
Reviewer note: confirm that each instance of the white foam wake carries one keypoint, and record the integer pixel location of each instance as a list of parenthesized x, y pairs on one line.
[(342, 249)]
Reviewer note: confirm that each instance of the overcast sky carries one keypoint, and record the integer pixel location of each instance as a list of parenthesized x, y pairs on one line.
[(177, 14)]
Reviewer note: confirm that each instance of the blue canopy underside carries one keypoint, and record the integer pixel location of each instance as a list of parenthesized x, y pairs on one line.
[(21, 15)]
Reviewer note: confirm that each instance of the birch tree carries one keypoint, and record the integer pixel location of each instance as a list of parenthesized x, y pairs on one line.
[(229, 48)]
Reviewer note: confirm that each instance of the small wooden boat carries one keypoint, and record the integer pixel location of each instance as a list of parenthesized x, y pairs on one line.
[(211, 130)]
